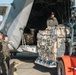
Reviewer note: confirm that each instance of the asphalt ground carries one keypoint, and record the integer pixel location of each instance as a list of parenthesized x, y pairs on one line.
[(25, 65)]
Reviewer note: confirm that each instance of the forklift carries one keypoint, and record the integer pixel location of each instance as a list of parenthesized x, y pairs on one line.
[(67, 63)]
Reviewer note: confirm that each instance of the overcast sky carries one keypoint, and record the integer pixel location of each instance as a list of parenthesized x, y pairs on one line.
[(4, 2)]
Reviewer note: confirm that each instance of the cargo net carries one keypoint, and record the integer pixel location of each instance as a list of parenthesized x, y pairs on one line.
[(49, 41)]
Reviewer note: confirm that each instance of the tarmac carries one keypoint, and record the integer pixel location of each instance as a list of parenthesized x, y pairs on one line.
[(25, 66)]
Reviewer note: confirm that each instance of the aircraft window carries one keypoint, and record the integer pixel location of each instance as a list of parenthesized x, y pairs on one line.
[(1, 19)]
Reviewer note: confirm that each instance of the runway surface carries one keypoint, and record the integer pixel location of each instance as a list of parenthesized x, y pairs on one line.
[(25, 66)]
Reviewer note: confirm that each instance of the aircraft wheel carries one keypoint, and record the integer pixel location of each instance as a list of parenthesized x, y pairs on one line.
[(60, 68)]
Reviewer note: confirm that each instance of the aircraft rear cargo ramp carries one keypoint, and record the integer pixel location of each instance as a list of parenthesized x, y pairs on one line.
[(16, 19)]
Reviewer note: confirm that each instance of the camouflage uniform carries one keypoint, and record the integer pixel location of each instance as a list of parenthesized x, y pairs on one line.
[(52, 22), (8, 52), (3, 63)]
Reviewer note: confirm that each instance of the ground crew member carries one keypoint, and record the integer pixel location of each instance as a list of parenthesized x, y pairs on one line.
[(52, 21), (8, 52), (6, 39), (3, 56)]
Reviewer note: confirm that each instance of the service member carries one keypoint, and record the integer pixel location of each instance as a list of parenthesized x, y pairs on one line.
[(3, 56), (8, 52), (52, 21), (6, 39)]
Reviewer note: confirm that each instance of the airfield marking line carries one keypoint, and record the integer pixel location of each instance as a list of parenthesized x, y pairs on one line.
[(17, 66)]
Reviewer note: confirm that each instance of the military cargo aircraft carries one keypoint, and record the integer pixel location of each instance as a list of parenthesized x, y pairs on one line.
[(22, 20)]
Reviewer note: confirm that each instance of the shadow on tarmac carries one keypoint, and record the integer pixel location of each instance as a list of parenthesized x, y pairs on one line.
[(52, 71), (10, 71)]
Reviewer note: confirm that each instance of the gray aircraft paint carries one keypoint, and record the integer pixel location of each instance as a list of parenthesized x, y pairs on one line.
[(17, 18)]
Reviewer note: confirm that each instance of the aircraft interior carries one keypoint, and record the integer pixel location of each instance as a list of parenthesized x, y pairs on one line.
[(40, 12)]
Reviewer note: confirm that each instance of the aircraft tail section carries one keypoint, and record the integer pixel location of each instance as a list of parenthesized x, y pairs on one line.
[(14, 32), (17, 19)]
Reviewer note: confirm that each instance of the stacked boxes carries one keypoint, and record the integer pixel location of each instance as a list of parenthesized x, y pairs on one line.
[(46, 42), (49, 41)]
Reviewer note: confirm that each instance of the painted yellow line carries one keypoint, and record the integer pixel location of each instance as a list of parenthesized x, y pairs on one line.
[(17, 66), (15, 73)]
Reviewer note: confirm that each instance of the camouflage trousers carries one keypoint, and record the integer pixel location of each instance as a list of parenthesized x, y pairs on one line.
[(4, 68)]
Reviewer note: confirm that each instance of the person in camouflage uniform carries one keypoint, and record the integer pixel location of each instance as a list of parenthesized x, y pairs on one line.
[(52, 21), (7, 52), (6, 39), (3, 55)]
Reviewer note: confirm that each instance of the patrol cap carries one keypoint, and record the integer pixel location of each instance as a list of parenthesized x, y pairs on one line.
[(52, 13)]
